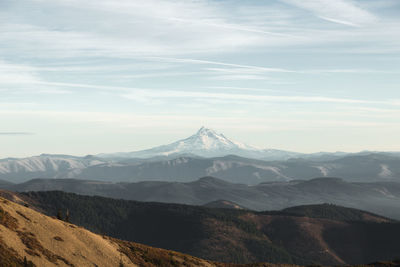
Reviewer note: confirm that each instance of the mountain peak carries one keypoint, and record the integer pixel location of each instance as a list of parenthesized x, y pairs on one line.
[(206, 131), (205, 143), (206, 138)]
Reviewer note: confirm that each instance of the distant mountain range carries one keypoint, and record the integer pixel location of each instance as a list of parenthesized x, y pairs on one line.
[(206, 153), (208, 143), (378, 197), (362, 168)]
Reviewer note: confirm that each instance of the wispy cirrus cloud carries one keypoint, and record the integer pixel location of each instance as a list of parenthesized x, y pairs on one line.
[(339, 11), (227, 97), (219, 63), (149, 94), (22, 78), (156, 27), (170, 28), (15, 73)]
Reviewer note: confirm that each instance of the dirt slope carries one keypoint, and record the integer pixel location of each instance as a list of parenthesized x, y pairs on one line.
[(47, 241)]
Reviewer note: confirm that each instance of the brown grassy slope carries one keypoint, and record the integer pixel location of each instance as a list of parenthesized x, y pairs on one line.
[(46, 241), (319, 234)]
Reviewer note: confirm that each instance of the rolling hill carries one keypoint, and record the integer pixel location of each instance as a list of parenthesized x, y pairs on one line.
[(378, 197), (321, 234), (29, 238)]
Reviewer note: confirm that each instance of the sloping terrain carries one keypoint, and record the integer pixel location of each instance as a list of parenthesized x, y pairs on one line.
[(29, 238), (379, 197), (45, 241), (223, 204), (333, 212), (320, 234)]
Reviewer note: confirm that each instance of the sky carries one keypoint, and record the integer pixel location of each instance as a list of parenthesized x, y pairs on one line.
[(96, 76)]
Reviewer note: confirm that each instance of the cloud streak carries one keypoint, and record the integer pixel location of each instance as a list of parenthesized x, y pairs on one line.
[(338, 11), (150, 94), (15, 133)]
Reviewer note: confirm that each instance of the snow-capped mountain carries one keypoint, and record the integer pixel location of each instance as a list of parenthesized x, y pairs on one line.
[(206, 153), (45, 166), (206, 143)]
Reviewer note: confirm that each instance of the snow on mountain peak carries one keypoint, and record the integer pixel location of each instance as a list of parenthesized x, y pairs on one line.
[(205, 142), (206, 131), (208, 139)]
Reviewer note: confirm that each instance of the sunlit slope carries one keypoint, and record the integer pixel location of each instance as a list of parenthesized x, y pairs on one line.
[(47, 241)]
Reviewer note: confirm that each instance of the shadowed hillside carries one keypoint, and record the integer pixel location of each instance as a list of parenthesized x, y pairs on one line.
[(29, 238), (334, 212), (330, 235)]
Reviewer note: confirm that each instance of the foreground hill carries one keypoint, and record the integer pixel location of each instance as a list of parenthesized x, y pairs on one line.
[(29, 238), (320, 234), (378, 197)]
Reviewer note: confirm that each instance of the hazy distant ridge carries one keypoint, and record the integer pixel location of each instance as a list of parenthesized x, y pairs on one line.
[(379, 197)]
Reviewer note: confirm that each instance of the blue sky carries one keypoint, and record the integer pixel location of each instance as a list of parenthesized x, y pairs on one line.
[(84, 77)]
